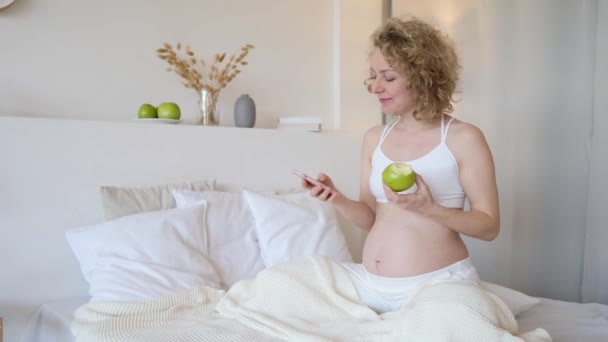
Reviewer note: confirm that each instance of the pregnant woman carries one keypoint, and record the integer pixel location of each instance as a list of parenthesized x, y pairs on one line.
[(415, 236)]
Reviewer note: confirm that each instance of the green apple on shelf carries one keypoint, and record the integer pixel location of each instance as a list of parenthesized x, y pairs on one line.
[(147, 111), (168, 110)]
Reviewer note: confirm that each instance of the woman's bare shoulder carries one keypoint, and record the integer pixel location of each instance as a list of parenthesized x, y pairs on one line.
[(373, 134), (461, 132), (371, 139), (466, 140)]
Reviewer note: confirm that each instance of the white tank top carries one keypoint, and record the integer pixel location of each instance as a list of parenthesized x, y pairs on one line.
[(438, 168)]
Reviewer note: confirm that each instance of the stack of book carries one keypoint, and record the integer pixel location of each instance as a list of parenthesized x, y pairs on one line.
[(300, 123)]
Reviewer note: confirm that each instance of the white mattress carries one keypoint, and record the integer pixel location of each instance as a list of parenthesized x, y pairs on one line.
[(565, 321)]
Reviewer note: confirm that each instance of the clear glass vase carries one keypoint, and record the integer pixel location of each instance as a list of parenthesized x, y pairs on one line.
[(208, 107)]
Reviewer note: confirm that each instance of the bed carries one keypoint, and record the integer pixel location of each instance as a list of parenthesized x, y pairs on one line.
[(102, 181), (565, 321)]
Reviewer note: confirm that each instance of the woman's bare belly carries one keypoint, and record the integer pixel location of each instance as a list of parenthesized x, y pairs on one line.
[(403, 244)]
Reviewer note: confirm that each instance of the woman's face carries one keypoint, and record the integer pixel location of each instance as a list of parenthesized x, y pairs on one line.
[(390, 87)]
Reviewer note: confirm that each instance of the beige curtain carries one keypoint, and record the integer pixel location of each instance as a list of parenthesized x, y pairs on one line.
[(528, 81)]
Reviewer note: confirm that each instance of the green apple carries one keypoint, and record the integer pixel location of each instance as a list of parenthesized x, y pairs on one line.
[(399, 176), (146, 111), (169, 110)]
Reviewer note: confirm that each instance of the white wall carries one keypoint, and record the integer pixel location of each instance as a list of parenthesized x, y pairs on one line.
[(97, 59), (358, 109)]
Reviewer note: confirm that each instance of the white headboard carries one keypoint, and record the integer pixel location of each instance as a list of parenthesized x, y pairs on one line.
[(51, 169)]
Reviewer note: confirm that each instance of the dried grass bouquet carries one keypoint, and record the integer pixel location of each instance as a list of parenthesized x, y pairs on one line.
[(194, 70)]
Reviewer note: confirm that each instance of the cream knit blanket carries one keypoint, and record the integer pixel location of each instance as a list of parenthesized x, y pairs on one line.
[(310, 300)]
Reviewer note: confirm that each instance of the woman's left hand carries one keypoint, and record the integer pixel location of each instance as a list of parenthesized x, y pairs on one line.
[(420, 201)]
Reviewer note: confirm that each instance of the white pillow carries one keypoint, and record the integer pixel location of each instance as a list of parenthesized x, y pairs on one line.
[(516, 301), (144, 256), (293, 226), (231, 240)]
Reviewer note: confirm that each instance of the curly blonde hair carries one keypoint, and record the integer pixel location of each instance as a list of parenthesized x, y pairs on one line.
[(426, 58)]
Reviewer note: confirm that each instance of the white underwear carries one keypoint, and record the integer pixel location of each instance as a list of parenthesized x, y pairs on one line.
[(383, 294)]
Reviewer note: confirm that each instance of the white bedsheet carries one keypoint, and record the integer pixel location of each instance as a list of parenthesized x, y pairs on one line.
[(51, 323), (565, 321)]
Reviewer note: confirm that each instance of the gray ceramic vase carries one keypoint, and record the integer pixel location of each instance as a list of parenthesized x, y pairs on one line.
[(244, 111)]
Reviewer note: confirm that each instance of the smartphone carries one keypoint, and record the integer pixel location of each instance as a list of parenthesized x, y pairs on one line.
[(307, 178)]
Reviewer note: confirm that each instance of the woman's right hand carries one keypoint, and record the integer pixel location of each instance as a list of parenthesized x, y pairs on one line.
[(324, 192)]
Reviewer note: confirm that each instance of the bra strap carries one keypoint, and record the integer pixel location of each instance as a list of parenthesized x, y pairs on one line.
[(444, 130), (387, 130)]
